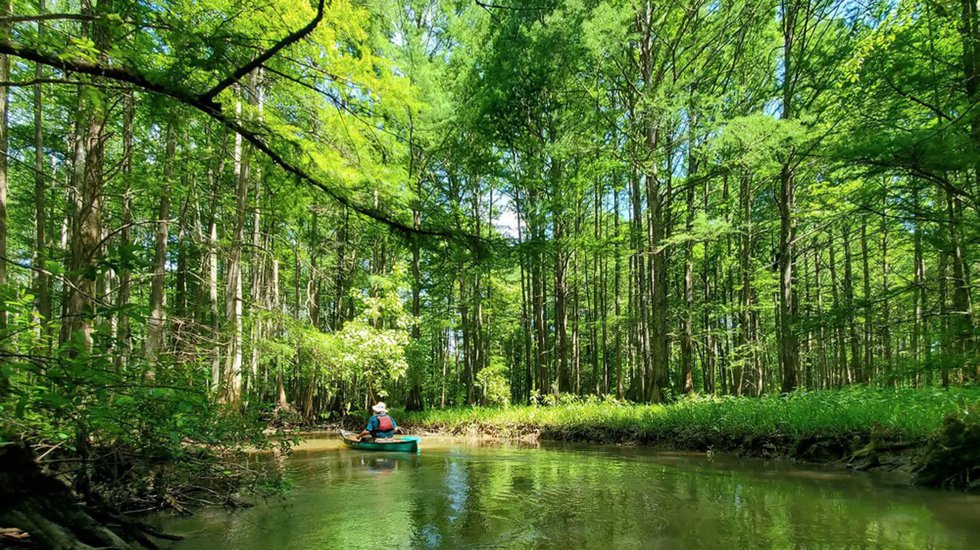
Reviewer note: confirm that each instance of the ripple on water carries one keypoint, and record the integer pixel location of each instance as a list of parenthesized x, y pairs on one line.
[(463, 496)]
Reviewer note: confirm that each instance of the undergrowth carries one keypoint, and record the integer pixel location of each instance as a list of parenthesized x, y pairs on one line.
[(902, 413)]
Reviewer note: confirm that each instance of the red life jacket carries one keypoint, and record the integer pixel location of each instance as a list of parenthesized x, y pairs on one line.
[(385, 423)]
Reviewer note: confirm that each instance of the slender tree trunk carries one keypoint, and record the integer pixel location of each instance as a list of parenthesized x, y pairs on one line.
[(945, 334), (414, 400), (86, 219), (788, 340), (886, 334), (157, 322), (745, 268), (231, 376), (970, 36), (806, 377), (598, 308), (840, 355), (822, 335), (258, 266), (687, 338), (537, 290), (869, 369), (641, 315), (962, 319), (617, 278), (464, 314), (659, 350), (856, 368), (920, 327), (561, 312), (526, 293), (210, 267), (42, 281), (576, 333), (5, 10), (124, 338)]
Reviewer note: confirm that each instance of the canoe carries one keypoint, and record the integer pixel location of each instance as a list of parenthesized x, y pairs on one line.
[(401, 444)]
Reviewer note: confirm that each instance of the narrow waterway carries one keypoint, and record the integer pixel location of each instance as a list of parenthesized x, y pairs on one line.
[(464, 494)]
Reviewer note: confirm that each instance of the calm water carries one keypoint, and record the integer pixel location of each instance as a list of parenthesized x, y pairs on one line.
[(459, 494)]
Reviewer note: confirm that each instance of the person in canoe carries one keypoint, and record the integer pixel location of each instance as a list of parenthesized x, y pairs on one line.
[(380, 426)]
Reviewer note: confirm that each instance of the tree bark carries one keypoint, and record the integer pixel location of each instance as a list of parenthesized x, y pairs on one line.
[(86, 218)]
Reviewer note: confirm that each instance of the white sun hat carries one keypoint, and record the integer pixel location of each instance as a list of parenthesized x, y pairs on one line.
[(380, 407)]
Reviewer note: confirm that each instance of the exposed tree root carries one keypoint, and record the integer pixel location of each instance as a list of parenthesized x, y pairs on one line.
[(37, 510)]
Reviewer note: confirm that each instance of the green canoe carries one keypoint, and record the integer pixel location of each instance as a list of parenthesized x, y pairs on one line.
[(402, 444)]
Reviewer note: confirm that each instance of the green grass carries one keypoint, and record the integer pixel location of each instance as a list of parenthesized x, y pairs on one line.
[(902, 413)]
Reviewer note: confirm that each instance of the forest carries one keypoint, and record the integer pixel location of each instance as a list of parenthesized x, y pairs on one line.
[(217, 215)]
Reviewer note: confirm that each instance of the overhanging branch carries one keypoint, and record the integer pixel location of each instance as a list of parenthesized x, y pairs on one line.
[(240, 72), (205, 104)]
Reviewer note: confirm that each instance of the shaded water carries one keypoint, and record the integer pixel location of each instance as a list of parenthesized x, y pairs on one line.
[(459, 494)]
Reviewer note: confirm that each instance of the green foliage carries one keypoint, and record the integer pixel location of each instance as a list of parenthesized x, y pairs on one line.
[(370, 348), (493, 382)]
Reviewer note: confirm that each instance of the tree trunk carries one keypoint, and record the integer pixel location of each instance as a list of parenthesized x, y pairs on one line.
[(788, 340), (920, 333), (4, 76), (86, 218), (157, 322), (561, 311), (886, 334), (210, 267), (124, 338), (231, 376), (687, 329), (869, 369), (658, 272), (745, 268), (42, 280), (962, 320), (617, 277), (854, 341), (840, 355)]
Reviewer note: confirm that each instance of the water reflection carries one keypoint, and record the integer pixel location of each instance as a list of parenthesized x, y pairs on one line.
[(458, 495)]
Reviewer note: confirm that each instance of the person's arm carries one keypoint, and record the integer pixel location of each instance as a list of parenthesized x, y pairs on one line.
[(371, 425)]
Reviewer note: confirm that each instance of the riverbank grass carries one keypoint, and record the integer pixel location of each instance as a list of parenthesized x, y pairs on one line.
[(899, 413)]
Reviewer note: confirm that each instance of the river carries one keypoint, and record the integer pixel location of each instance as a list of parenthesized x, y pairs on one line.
[(467, 494)]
